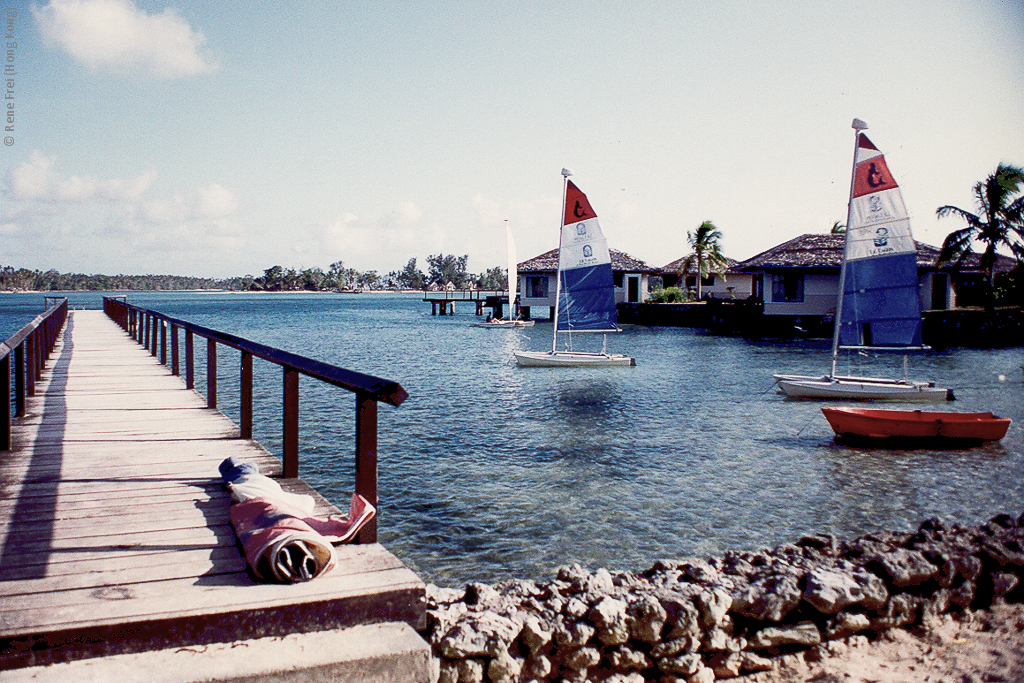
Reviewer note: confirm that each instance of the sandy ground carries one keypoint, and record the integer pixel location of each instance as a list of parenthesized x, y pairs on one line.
[(984, 646)]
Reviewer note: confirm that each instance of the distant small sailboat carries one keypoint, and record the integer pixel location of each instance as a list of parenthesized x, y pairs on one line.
[(513, 282), (878, 306), (585, 291)]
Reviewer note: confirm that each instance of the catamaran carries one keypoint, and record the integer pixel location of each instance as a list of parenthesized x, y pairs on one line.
[(879, 304), (585, 290), (513, 281)]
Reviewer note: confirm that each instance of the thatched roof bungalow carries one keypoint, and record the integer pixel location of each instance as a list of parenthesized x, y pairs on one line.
[(537, 279), (801, 276)]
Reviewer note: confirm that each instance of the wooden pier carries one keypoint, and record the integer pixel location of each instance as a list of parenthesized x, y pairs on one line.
[(114, 529), (443, 302)]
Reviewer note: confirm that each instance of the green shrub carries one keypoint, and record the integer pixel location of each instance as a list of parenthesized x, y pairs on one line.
[(669, 295)]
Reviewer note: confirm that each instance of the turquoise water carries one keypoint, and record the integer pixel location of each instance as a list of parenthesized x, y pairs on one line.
[(490, 471)]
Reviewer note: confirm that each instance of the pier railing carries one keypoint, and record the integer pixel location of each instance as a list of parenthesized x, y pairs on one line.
[(31, 346), (152, 329)]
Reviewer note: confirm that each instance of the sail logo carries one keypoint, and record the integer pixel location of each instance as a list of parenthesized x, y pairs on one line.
[(588, 251), (872, 175), (581, 228), (875, 178), (881, 237)]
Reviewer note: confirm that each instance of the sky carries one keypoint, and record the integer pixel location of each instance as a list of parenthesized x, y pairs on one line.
[(217, 139)]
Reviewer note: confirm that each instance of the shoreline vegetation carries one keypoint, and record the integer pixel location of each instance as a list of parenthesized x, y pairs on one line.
[(443, 270)]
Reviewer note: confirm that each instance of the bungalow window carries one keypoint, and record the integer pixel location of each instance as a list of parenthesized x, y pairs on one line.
[(788, 289), (691, 281), (617, 277), (537, 286)]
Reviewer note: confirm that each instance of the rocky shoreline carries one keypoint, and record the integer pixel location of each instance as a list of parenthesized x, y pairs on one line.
[(694, 620)]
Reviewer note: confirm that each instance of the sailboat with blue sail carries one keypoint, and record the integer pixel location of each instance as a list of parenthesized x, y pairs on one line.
[(585, 290), (878, 306)]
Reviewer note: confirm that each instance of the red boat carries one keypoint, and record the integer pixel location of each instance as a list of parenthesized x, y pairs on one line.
[(867, 423)]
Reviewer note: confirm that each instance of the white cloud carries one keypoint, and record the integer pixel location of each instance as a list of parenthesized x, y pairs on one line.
[(33, 178), (365, 239), (37, 179), (216, 201), (117, 225), (116, 34)]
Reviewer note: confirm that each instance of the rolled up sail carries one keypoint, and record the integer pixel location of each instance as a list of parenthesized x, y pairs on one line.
[(587, 302), (881, 300)]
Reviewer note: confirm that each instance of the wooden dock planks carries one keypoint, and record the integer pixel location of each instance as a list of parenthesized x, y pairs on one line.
[(114, 531)]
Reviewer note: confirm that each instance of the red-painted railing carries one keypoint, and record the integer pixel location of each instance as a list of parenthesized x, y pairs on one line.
[(31, 346), (151, 329)]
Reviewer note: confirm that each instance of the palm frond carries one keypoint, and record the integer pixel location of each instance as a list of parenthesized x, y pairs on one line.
[(955, 247), (948, 210)]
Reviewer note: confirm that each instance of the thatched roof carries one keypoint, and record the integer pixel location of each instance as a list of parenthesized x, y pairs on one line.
[(621, 262), (676, 266), (805, 251), (826, 252)]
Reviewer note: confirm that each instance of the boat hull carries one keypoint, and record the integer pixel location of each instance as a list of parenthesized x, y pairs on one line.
[(561, 359), (505, 324), (860, 388), (862, 423)]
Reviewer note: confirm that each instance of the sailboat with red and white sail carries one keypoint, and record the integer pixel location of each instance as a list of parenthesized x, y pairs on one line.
[(585, 291), (879, 305)]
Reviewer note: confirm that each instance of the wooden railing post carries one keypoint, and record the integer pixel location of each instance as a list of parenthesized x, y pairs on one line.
[(245, 399), (291, 422), (20, 390), (5, 403), (30, 367), (175, 354), (36, 340), (163, 342), (366, 459), (190, 362), (211, 373)]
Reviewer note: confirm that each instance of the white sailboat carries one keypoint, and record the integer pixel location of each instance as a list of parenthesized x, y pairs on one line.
[(585, 290), (878, 306), (513, 281)]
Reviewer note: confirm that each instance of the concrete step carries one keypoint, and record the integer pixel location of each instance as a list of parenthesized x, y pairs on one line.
[(377, 653)]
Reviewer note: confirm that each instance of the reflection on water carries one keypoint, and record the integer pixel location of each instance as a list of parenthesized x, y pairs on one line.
[(490, 471)]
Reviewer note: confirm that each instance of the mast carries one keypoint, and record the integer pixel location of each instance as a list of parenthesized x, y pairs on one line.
[(857, 126), (512, 271), (558, 266)]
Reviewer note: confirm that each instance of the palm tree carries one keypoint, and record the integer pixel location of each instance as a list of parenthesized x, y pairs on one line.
[(838, 228), (999, 221), (707, 252)]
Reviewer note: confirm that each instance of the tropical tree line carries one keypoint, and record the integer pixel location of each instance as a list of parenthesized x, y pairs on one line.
[(442, 269), (13, 279)]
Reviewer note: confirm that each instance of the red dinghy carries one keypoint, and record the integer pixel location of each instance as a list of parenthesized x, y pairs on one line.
[(867, 423)]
